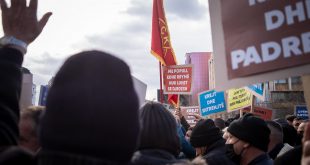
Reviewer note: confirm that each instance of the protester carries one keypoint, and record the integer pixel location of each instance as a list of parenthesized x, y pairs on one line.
[(89, 92), (20, 27), (296, 122), (276, 146), (29, 128), (187, 150), (289, 132), (300, 132), (219, 123), (248, 141), (290, 119), (159, 141), (294, 156), (182, 119), (225, 133), (189, 133), (208, 142), (306, 146)]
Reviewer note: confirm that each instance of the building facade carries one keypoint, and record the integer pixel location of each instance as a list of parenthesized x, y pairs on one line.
[(200, 83)]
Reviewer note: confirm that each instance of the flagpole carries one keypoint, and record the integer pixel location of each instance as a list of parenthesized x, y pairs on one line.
[(161, 86)]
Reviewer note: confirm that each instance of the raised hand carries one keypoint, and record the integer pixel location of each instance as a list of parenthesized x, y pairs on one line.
[(21, 21)]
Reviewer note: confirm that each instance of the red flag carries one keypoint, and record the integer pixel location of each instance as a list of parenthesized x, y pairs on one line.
[(161, 45)]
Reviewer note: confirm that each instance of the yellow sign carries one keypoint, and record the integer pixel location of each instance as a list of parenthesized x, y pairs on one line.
[(238, 98)]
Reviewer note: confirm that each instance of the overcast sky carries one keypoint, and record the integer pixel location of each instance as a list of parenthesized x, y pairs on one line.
[(120, 27)]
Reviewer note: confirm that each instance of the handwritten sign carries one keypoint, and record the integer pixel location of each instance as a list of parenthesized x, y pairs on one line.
[(188, 114), (211, 102), (238, 98), (177, 79), (263, 113)]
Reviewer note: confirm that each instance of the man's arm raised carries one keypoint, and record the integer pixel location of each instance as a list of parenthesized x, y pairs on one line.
[(20, 26)]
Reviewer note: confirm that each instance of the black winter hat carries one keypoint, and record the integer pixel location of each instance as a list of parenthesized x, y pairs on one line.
[(251, 129), (92, 109), (205, 133), (159, 129)]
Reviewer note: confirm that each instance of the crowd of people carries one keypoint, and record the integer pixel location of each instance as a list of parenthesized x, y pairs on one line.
[(92, 116)]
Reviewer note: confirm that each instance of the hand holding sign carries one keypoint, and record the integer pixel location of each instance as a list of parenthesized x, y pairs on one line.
[(178, 112), (197, 117)]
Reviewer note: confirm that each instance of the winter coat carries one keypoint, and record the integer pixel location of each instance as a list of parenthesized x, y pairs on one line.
[(216, 154), (154, 157), (263, 159)]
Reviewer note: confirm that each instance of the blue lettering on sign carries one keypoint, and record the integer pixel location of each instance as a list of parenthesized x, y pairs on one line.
[(211, 102)]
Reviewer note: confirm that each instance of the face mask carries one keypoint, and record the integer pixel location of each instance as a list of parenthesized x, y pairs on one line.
[(230, 153)]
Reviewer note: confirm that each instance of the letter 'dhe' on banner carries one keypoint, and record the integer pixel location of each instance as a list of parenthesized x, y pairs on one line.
[(259, 40), (177, 79), (278, 37), (211, 102)]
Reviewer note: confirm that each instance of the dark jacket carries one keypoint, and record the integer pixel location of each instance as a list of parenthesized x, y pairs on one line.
[(10, 87), (184, 123), (275, 151), (216, 154), (292, 156), (154, 157), (61, 158), (187, 150), (263, 159)]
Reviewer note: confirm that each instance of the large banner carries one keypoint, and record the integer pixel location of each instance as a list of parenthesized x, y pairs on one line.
[(278, 37), (238, 98), (177, 79), (259, 40), (211, 102), (188, 114)]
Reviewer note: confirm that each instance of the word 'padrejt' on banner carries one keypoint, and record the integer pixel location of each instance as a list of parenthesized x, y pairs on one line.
[(278, 37), (211, 102), (238, 98), (259, 41), (188, 114), (177, 79)]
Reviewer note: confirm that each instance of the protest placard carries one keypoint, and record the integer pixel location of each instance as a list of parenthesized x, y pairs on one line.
[(188, 114), (257, 90), (238, 98), (274, 45), (177, 79), (263, 113), (211, 102), (301, 111)]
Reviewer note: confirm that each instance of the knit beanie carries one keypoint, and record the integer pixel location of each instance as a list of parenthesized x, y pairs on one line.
[(251, 129), (205, 133), (159, 129), (92, 109)]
